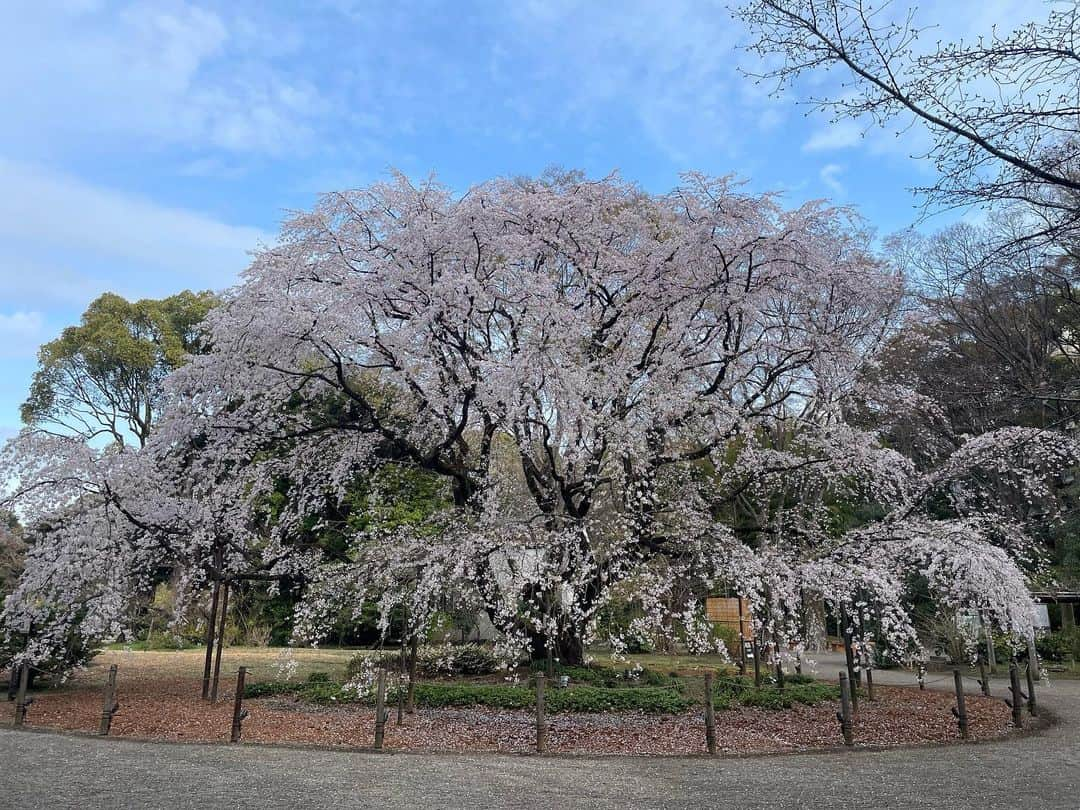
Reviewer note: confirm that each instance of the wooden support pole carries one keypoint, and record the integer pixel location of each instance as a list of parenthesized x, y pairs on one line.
[(849, 660), (1017, 702), (21, 700), (380, 709), (984, 677), (991, 656), (541, 719), (870, 684), (238, 711), (844, 715), (1033, 708), (211, 623), (414, 651), (220, 639), (710, 715), (108, 703), (1033, 658), (960, 710), (742, 640), (755, 650), (401, 665)]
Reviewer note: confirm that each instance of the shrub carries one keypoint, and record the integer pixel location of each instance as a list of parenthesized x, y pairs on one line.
[(1060, 645), (432, 660)]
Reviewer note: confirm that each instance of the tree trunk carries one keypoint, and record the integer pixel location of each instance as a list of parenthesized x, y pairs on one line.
[(569, 649)]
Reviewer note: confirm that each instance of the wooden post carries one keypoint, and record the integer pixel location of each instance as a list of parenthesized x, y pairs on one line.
[(991, 656), (541, 720), (742, 641), (1017, 702), (849, 659), (844, 715), (960, 710), (21, 701), (1033, 658), (710, 715), (220, 639), (210, 626), (414, 651), (380, 709), (984, 677), (1033, 709), (108, 703), (401, 665), (870, 684), (755, 650), (238, 713)]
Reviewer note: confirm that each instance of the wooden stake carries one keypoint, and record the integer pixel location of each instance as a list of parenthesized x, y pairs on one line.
[(211, 622), (984, 677), (849, 659), (238, 712), (380, 709), (414, 650), (960, 709), (710, 715), (108, 703), (220, 639), (1017, 702), (21, 701), (844, 715), (541, 720), (1033, 709)]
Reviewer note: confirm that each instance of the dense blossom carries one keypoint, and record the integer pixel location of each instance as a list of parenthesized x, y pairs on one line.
[(634, 401)]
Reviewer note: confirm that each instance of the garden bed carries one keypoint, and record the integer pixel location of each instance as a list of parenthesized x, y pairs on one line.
[(157, 705)]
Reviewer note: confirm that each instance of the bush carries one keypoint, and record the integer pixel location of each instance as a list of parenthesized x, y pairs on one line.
[(728, 635), (1059, 646), (575, 699), (433, 660)]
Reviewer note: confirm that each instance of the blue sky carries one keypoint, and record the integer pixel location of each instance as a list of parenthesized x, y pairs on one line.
[(146, 148)]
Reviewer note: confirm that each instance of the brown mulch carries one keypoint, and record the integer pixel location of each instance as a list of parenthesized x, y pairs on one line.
[(170, 709)]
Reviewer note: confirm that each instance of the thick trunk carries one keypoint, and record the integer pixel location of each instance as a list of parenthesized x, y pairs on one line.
[(568, 649)]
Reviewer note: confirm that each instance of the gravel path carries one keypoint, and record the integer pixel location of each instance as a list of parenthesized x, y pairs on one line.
[(44, 770)]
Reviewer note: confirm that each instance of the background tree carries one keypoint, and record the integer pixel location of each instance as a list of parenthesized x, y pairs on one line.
[(104, 377), (1001, 110)]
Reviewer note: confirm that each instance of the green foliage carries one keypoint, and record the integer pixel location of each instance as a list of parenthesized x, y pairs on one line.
[(592, 690), (730, 637), (610, 678), (104, 377), (433, 660), (1059, 646)]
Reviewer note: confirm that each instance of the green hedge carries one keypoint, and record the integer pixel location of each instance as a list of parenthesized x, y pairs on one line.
[(580, 699)]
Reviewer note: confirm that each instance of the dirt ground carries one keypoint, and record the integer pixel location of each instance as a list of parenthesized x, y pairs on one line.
[(159, 696)]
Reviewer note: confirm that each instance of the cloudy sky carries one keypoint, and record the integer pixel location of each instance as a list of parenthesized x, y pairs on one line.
[(147, 147)]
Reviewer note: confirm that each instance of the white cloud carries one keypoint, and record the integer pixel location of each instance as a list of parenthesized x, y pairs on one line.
[(21, 332), (101, 237), (171, 72), (20, 324), (839, 135), (829, 175)]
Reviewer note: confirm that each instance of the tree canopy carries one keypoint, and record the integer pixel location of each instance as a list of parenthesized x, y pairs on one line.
[(104, 377), (617, 403)]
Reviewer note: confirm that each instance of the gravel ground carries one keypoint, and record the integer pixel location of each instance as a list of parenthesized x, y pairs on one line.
[(1042, 770)]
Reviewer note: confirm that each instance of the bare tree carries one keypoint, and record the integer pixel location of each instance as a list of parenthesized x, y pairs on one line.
[(1003, 111)]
